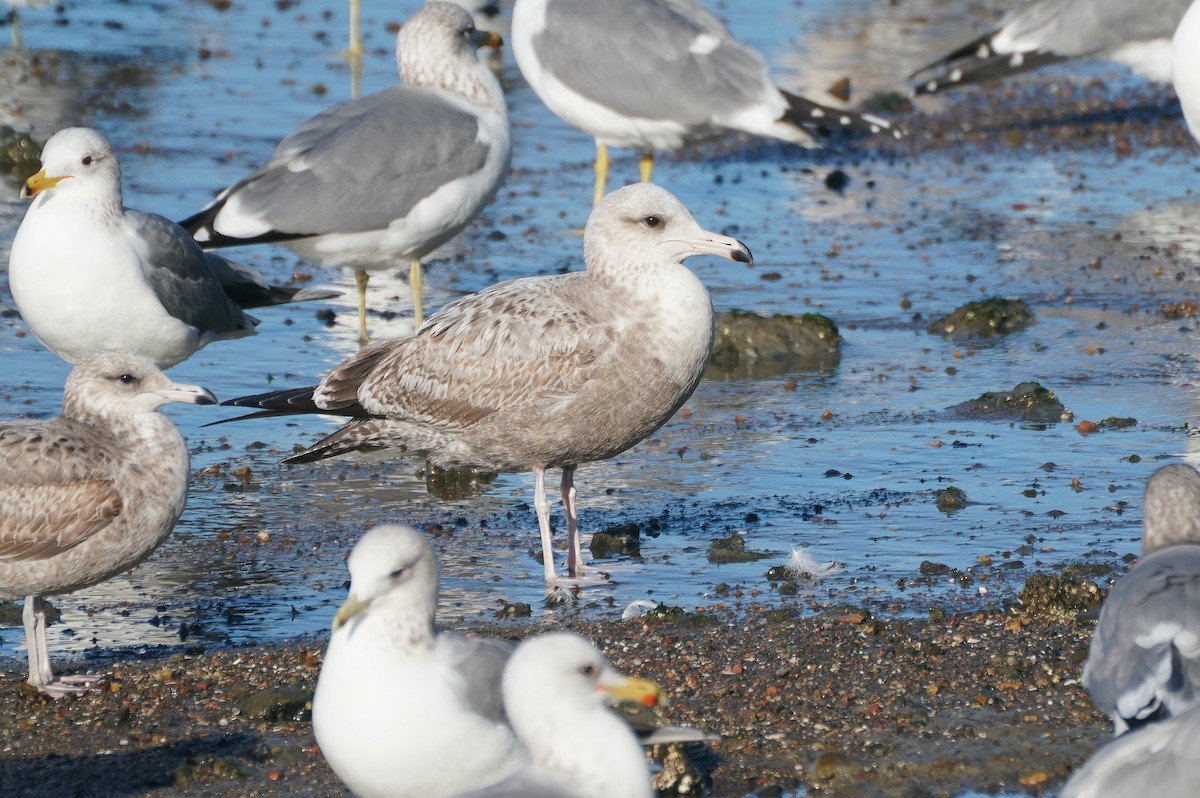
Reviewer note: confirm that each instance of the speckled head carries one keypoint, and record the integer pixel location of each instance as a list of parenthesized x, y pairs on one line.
[(643, 224), (1171, 511), (437, 48), (117, 384)]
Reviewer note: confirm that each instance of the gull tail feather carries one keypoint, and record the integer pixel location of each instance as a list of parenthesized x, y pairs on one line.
[(976, 62), (823, 119)]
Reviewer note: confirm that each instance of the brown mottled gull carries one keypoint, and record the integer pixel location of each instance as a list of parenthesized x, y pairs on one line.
[(540, 372), (1144, 661), (89, 274), (91, 493), (386, 178)]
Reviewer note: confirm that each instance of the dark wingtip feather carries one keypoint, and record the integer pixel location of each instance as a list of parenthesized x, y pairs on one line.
[(200, 227), (817, 118), (977, 62)]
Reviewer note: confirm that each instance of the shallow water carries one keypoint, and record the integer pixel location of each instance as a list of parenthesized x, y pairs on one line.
[(194, 97)]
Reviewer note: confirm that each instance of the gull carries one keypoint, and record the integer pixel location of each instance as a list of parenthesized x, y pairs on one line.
[(557, 688), (1049, 31), (385, 178), (539, 372), (89, 274), (1160, 759), (1185, 67), (657, 75), (1144, 660), (91, 493), (400, 708), (447, 688)]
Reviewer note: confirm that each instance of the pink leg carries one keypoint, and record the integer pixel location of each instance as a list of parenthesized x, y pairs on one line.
[(541, 506), (40, 675), (574, 552), (34, 617)]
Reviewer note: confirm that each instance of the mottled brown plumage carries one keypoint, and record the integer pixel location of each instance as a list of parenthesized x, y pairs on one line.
[(540, 372), (91, 493)]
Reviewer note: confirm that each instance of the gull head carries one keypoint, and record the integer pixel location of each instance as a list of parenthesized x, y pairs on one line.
[(562, 669), (437, 48), (645, 224), (77, 160), (391, 566), (1171, 510), (116, 384)]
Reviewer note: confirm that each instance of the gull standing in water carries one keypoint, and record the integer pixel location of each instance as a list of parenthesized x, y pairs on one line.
[(386, 178), (91, 493), (657, 75), (539, 372), (89, 274)]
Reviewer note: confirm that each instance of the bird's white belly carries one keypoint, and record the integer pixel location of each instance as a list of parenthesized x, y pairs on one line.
[(82, 294), (430, 223), (604, 124), (1151, 58), (389, 743)]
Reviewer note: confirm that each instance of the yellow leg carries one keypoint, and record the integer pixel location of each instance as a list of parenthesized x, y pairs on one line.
[(355, 49), (601, 173), (354, 52), (417, 285), (361, 278), (646, 165)]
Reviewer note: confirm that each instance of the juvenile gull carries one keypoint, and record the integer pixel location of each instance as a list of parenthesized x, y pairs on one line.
[(1159, 760), (400, 708), (386, 178), (89, 274), (91, 493), (1049, 31), (1144, 661), (657, 75), (540, 372), (557, 688)]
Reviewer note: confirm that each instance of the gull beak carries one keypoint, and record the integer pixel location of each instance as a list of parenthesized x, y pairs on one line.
[(352, 606), (486, 38), (722, 246), (193, 394), (39, 183), (624, 689)]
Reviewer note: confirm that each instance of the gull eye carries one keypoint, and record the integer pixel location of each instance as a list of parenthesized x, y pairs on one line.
[(587, 670), (396, 574), (127, 379), (88, 160), (652, 221)]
